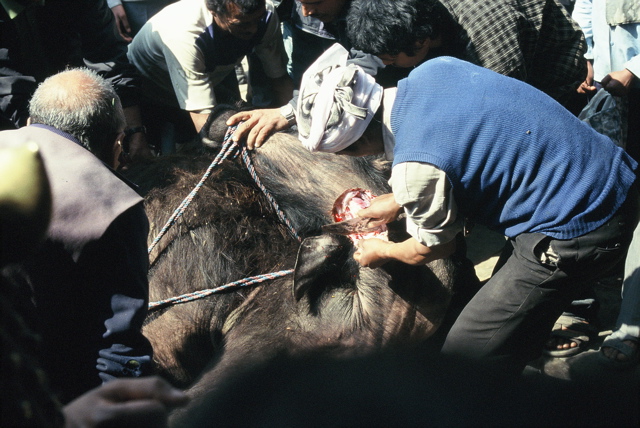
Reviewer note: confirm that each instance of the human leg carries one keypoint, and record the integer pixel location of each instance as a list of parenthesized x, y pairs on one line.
[(508, 320), (620, 349)]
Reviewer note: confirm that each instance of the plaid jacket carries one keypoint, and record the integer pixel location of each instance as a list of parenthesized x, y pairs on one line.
[(531, 40)]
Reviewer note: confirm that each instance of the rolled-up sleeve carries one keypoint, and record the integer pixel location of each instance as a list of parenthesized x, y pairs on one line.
[(426, 195)]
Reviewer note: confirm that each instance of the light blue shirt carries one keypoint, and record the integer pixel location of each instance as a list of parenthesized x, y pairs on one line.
[(610, 47)]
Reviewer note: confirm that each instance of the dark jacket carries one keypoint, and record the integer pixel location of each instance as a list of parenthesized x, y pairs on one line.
[(89, 278), (44, 40)]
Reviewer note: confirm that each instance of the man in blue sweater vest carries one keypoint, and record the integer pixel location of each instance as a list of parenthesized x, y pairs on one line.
[(469, 144)]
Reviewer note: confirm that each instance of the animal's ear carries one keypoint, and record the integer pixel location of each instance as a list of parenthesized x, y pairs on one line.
[(320, 260)]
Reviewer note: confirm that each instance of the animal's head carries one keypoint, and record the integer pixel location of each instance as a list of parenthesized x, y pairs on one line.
[(345, 301)]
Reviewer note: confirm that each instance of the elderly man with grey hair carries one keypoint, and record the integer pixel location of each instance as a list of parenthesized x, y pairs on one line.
[(88, 279)]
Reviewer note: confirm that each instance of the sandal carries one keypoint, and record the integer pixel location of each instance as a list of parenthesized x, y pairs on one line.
[(573, 329), (632, 354)]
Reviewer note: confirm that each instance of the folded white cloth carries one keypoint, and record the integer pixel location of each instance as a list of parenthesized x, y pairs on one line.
[(337, 102)]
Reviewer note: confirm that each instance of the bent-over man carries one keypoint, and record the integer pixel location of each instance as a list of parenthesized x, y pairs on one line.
[(187, 53), (89, 277), (469, 143)]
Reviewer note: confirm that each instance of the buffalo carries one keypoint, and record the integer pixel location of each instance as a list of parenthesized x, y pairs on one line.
[(325, 303)]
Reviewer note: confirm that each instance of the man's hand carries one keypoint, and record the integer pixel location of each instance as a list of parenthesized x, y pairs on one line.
[(383, 209), (372, 252), (618, 82), (587, 87), (140, 402), (122, 22), (258, 125)]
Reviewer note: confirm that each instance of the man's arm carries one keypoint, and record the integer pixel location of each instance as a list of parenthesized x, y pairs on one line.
[(425, 194), (117, 265), (282, 88), (138, 146), (125, 402), (105, 53), (582, 11), (374, 252), (122, 22), (258, 125)]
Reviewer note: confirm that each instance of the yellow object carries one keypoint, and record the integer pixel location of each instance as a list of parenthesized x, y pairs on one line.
[(25, 196)]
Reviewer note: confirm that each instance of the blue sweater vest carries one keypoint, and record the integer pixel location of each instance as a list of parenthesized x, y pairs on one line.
[(517, 160)]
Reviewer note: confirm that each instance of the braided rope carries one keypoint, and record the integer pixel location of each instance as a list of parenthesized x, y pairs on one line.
[(247, 161), (204, 293), (229, 148)]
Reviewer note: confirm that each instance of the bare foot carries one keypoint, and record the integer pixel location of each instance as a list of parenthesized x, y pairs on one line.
[(561, 343), (614, 354)]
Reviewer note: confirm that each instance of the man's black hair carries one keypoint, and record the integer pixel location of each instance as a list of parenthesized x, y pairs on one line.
[(220, 7), (394, 26)]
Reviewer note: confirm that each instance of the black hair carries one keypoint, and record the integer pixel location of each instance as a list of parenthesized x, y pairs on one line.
[(221, 7), (394, 26)]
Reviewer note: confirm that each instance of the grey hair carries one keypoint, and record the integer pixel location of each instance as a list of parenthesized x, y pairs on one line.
[(81, 103)]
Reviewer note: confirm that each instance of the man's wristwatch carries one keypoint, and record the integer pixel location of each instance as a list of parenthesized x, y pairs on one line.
[(130, 131), (288, 113)]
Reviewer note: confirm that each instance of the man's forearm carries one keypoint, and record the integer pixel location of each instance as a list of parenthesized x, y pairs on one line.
[(413, 252)]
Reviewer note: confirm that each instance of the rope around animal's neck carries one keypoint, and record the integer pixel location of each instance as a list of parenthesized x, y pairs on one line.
[(153, 306), (246, 159), (230, 149)]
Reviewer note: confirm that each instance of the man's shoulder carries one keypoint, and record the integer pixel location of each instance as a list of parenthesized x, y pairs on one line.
[(87, 196), (42, 136), (65, 158), (175, 21)]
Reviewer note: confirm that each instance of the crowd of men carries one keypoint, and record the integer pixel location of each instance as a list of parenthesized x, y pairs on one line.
[(98, 83)]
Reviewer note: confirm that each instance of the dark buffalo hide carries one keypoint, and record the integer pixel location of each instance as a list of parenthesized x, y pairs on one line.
[(329, 305)]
